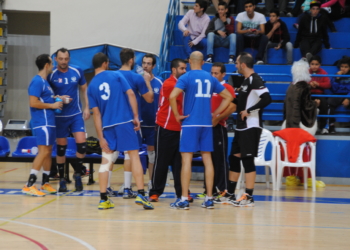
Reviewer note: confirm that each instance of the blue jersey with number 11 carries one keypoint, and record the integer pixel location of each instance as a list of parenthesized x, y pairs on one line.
[(198, 86)]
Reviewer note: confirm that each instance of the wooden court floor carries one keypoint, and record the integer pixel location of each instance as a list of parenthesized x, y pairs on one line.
[(292, 218)]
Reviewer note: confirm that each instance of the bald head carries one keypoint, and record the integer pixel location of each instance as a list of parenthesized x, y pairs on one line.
[(196, 59)]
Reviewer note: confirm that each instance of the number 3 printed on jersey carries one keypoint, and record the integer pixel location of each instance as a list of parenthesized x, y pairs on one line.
[(105, 87), (200, 88)]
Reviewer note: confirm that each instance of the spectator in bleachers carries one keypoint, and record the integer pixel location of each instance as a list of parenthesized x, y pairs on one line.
[(197, 22), (340, 86), (251, 31), (220, 33), (277, 32), (312, 32), (282, 7), (296, 9), (216, 3), (337, 9), (318, 85)]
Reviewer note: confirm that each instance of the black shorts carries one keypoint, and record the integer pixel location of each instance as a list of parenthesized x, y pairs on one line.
[(246, 142)]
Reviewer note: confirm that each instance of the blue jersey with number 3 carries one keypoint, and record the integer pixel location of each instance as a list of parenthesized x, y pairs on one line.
[(198, 86), (107, 91)]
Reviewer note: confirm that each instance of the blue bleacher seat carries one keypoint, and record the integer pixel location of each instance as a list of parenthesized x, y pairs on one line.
[(4, 147)]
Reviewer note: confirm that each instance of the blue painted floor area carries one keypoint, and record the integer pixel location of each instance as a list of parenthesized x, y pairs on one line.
[(168, 195)]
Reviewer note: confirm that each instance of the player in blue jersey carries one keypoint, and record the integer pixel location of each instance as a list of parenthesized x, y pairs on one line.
[(116, 121), (148, 111), (196, 131), (68, 80), (42, 105), (141, 85)]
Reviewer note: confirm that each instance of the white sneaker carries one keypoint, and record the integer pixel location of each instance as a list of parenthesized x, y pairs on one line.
[(231, 61), (209, 60), (245, 201), (324, 131), (121, 189), (260, 62)]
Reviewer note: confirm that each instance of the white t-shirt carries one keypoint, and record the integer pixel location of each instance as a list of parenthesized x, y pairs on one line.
[(253, 23)]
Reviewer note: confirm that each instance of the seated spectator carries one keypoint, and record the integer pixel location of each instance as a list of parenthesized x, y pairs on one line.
[(282, 7), (277, 32), (220, 33), (318, 85), (216, 3), (197, 22), (340, 86), (251, 31), (312, 32)]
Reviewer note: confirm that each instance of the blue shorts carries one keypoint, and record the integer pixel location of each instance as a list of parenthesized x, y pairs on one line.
[(195, 139), (67, 125), (121, 137), (45, 135), (148, 135)]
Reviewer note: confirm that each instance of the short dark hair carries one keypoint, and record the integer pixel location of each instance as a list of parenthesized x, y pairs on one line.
[(98, 59), (315, 58), (42, 60), (154, 59), (176, 63), (344, 60), (247, 59), (125, 55), (222, 3), (275, 11), (248, 2), (63, 50), (221, 66), (203, 4)]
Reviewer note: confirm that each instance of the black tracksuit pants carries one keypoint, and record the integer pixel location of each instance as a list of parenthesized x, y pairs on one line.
[(167, 144), (219, 157)]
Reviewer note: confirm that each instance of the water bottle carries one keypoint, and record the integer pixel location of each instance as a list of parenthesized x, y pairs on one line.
[(33, 151), (58, 111), (139, 69)]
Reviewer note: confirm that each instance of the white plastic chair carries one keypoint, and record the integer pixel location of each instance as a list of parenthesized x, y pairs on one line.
[(265, 138), (298, 164)]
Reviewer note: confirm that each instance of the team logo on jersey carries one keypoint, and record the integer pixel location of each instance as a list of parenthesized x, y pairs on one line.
[(74, 79), (59, 80), (156, 90), (244, 88)]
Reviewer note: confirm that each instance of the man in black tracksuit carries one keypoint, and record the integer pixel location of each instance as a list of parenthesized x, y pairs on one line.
[(312, 32)]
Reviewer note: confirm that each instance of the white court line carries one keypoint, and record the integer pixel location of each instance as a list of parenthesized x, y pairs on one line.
[(54, 231)]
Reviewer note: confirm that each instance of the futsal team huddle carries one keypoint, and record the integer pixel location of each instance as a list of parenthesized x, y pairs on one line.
[(185, 114)]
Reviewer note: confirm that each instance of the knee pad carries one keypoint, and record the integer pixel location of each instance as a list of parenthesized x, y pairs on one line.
[(115, 156), (61, 150), (248, 164), (151, 156), (235, 163), (81, 148), (126, 155), (105, 167)]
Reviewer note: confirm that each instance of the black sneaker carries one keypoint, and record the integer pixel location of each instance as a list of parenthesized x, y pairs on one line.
[(78, 183), (331, 129), (63, 187)]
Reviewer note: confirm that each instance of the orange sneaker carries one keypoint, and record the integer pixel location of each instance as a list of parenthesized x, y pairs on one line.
[(33, 191), (154, 198), (47, 188), (190, 198), (25, 190)]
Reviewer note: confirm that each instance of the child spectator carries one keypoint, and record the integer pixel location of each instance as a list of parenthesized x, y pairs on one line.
[(318, 85), (277, 32), (340, 86)]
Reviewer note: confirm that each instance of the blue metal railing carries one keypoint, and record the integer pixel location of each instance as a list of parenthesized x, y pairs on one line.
[(167, 37)]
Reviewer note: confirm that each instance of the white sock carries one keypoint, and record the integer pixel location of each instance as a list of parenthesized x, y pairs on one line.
[(33, 171), (208, 198), (127, 179), (46, 172), (109, 179), (183, 198)]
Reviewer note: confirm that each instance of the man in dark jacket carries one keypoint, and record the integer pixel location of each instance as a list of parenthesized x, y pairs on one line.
[(312, 32), (277, 32), (220, 33)]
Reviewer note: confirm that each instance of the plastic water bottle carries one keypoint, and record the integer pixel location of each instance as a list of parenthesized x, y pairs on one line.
[(58, 111), (33, 151), (139, 69)]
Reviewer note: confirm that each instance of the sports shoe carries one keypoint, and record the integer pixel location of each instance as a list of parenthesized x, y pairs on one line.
[(231, 200), (121, 189), (296, 26), (324, 131), (190, 198), (47, 188), (308, 56), (142, 201), (78, 184), (129, 194), (33, 191), (221, 198), (260, 62), (209, 60), (111, 192), (54, 177), (231, 61), (108, 204), (201, 196), (63, 187), (245, 201), (289, 14), (208, 204), (331, 129), (154, 198), (185, 205)]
